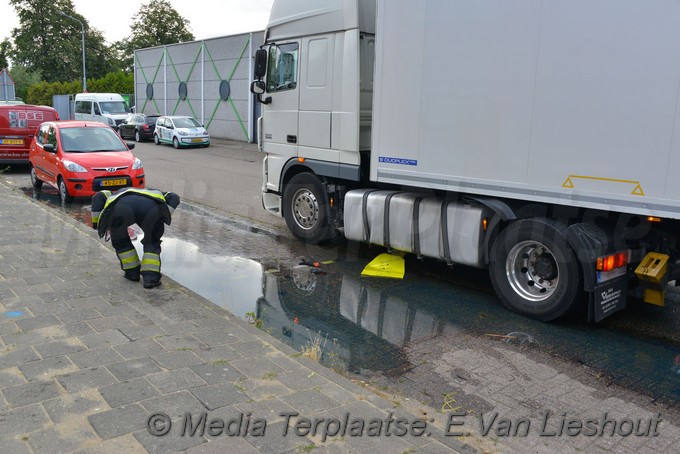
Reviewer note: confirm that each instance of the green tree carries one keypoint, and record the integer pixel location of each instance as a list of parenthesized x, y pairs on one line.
[(51, 43), (100, 58), (5, 49), (155, 24), (24, 78)]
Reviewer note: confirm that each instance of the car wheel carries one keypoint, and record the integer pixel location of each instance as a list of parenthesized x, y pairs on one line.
[(35, 181), (175, 143), (534, 270), (156, 140), (305, 208), (64, 196), (138, 137)]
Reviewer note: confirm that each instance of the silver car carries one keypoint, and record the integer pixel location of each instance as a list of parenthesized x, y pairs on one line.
[(180, 131)]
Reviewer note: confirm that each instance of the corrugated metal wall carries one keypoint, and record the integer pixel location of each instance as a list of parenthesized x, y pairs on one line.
[(207, 79)]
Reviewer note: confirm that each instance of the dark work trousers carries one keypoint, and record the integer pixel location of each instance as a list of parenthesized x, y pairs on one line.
[(143, 211)]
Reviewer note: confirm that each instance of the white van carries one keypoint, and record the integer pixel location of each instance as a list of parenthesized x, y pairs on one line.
[(107, 108)]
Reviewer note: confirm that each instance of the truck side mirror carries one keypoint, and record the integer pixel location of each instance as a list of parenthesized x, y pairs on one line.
[(257, 87), (260, 63)]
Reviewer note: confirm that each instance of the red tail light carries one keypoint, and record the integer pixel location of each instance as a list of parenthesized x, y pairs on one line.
[(613, 261), (146, 127)]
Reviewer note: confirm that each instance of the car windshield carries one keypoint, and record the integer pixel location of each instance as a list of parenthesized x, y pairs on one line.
[(114, 107), (186, 123), (89, 140)]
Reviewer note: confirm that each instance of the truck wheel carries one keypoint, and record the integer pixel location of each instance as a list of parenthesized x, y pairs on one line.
[(534, 271), (64, 196), (304, 208), (35, 181)]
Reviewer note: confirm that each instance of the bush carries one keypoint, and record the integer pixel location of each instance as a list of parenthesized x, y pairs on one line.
[(42, 92)]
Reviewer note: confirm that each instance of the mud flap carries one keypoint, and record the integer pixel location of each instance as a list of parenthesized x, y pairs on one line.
[(607, 298)]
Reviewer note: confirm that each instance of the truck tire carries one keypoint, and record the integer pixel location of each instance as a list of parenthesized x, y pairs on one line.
[(304, 208), (534, 271)]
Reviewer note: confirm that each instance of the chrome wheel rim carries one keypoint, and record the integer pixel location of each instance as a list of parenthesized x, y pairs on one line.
[(532, 271), (305, 209)]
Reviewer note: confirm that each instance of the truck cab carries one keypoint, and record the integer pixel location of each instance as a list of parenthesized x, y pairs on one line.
[(316, 84)]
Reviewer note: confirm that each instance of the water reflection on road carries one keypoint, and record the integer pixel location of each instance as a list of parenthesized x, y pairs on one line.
[(233, 283), (373, 320), (369, 323)]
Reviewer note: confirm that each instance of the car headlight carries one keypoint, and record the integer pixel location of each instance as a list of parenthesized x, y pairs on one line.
[(182, 133), (111, 122), (73, 167), (205, 132), (137, 164)]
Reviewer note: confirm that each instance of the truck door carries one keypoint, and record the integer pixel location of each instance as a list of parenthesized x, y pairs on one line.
[(316, 97), (280, 125)]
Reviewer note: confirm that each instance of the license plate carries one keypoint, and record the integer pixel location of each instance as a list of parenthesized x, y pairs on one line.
[(11, 141), (119, 182), (197, 140)]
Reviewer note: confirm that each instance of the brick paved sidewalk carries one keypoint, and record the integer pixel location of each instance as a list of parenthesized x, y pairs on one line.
[(88, 357)]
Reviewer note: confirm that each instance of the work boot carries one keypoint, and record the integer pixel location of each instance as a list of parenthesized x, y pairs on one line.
[(132, 275), (152, 284)]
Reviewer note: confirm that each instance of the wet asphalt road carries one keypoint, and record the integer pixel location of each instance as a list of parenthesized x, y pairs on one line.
[(367, 326)]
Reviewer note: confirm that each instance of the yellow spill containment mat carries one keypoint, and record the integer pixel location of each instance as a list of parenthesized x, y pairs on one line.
[(386, 265)]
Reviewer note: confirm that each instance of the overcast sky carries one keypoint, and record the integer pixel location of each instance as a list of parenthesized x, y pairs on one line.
[(207, 18)]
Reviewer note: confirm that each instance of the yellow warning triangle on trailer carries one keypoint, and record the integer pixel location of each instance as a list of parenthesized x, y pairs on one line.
[(386, 265)]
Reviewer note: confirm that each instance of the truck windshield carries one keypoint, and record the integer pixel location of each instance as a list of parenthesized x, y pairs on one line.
[(114, 107), (283, 63)]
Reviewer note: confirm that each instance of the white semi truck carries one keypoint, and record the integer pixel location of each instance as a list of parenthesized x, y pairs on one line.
[(537, 139)]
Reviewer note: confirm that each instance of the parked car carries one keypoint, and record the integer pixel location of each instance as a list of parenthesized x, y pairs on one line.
[(180, 132), (138, 126), (18, 123), (80, 158)]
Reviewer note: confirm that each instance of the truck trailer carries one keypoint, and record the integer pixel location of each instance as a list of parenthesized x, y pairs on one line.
[(534, 138)]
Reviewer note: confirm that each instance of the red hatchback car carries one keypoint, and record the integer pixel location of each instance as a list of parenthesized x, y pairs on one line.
[(80, 158)]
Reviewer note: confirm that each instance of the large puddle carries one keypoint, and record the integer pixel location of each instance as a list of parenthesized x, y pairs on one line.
[(360, 323)]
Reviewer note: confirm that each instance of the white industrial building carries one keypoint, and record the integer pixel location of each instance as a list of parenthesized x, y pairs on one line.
[(207, 79)]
